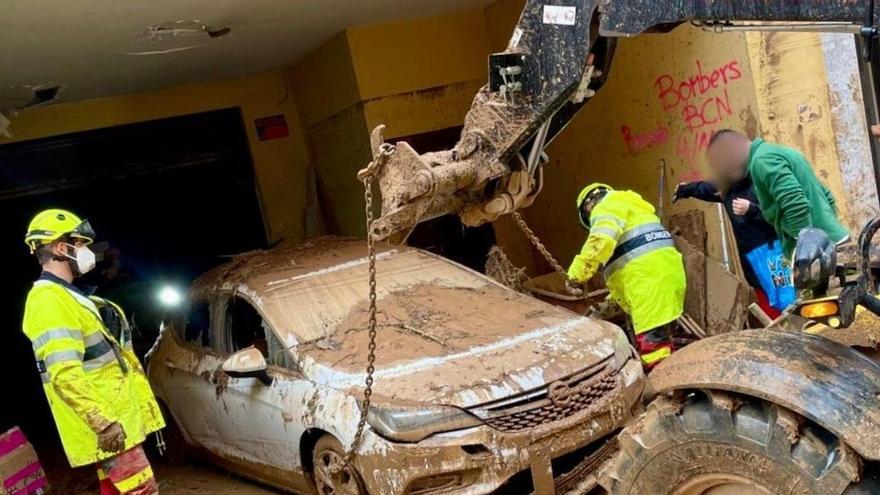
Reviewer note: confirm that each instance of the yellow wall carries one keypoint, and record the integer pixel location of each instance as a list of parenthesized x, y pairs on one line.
[(595, 147), (324, 82), (795, 104), (340, 147), (416, 76), (402, 57), (280, 165)]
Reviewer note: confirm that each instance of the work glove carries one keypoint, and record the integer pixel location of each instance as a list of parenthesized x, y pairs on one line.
[(112, 438), (684, 191), (574, 288)]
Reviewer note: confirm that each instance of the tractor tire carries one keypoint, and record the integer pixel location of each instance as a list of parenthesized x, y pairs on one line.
[(712, 443)]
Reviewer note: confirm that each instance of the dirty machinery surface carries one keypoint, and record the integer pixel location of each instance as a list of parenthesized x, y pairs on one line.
[(559, 55), (762, 411)]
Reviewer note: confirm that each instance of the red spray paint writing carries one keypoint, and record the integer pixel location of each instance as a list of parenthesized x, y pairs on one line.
[(636, 143), (702, 98)]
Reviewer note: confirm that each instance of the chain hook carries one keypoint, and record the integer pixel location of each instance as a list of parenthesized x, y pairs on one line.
[(368, 176)]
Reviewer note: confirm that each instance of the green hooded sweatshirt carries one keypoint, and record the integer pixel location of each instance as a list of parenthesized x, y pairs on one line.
[(790, 194)]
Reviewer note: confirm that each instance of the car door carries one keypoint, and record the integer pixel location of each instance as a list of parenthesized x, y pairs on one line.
[(189, 365), (262, 424)]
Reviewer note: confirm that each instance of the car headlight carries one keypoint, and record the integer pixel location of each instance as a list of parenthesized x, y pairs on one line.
[(414, 423), (623, 350)]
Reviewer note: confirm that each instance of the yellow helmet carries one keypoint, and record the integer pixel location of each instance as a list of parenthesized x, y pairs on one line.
[(584, 196), (50, 225)]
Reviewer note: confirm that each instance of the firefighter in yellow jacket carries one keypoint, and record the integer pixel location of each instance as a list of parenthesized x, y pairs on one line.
[(99, 395), (643, 269)]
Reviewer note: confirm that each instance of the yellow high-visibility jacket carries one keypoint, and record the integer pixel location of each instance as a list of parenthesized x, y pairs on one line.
[(90, 379), (643, 269)]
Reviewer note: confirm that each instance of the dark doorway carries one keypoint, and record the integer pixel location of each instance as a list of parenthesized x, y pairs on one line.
[(171, 197), (446, 235)]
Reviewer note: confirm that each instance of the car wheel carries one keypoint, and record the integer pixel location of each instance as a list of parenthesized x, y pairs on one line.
[(716, 444), (332, 476)]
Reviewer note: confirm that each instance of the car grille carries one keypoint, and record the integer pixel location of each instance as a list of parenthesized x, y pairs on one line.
[(587, 390)]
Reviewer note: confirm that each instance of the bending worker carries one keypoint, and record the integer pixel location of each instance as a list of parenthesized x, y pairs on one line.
[(99, 395), (643, 269)]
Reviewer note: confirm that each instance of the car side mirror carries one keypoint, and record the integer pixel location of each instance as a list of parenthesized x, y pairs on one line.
[(248, 363)]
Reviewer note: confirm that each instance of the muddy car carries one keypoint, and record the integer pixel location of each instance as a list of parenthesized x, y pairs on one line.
[(478, 388)]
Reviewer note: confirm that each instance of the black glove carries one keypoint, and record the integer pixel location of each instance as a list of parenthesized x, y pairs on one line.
[(700, 190)]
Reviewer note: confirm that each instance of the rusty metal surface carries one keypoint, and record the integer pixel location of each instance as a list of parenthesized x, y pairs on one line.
[(832, 385), (582, 479), (631, 17)]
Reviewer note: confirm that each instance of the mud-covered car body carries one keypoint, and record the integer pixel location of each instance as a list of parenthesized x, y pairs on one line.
[(474, 383)]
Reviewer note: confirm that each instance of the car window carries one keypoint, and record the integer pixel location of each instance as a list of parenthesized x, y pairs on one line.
[(197, 324), (244, 327), (278, 354), (247, 328)]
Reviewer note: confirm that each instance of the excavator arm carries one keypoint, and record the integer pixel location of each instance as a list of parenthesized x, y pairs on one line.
[(559, 55)]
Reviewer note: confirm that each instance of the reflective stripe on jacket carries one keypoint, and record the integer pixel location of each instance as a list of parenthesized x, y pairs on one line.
[(644, 271), (90, 380)]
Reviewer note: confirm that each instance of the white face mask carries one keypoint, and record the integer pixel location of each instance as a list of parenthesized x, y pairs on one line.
[(84, 257)]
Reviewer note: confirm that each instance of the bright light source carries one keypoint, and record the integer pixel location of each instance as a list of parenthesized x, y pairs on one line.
[(170, 296)]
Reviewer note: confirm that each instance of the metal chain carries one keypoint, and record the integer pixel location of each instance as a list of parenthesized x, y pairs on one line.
[(538, 244), (533, 238), (367, 176)]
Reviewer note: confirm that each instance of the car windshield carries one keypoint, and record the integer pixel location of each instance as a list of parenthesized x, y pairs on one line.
[(312, 307)]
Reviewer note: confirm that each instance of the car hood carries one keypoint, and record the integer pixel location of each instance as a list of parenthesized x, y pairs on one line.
[(460, 347)]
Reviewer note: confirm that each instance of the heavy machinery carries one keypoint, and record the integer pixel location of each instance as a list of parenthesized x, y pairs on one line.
[(559, 55), (754, 412), (767, 411)]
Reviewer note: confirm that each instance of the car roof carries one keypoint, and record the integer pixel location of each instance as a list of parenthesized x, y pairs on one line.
[(256, 272), (306, 293), (315, 298)]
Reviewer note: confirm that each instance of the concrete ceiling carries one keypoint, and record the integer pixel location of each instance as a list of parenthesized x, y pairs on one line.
[(86, 45)]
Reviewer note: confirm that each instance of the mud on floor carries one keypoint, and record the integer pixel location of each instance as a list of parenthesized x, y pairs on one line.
[(173, 480)]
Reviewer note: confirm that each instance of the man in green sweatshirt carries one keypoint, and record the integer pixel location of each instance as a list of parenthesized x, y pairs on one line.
[(790, 194)]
